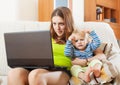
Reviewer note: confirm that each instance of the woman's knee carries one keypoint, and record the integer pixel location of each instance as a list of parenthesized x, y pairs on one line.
[(37, 72), (57, 78), (18, 72), (37, 77), (64, 78), (44, 77), (18, 75)]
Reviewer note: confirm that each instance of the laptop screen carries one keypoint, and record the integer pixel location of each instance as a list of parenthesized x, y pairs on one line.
[(29, 49)]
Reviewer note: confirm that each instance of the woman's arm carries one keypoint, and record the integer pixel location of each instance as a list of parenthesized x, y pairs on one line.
[(81, 62), (98, 55)]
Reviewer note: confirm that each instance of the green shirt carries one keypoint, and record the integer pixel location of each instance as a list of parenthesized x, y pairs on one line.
[(59, 58)]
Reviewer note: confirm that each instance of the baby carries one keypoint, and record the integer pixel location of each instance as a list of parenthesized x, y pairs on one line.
[(80, 47)]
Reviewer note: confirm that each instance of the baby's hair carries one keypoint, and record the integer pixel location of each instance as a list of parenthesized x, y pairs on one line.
[(82, 34)]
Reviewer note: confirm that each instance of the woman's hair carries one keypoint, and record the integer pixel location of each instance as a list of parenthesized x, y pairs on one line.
[(66, 15)]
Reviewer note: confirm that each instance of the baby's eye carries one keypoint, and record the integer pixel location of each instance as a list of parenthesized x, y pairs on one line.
[(76, 40), (81, 39)]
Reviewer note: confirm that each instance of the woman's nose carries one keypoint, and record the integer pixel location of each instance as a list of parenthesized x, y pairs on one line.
[(57, 27)]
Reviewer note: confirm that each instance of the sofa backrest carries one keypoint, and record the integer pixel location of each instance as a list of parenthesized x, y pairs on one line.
[(102, 29)]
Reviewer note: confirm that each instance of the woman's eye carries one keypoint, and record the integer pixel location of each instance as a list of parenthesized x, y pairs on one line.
[(61, 24), (54, 23)]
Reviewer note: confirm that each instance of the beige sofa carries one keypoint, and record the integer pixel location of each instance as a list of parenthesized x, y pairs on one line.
[(103, 30)]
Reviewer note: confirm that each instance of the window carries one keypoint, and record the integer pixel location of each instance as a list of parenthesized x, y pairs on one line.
[(58, 3)]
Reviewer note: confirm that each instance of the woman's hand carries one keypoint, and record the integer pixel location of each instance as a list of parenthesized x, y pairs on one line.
[(98, 55), (81, 62), (101, 57)]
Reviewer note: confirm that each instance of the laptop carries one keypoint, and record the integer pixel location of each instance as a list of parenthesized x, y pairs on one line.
[(29, 50)]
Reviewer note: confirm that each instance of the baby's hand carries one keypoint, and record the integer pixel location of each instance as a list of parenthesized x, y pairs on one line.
[(87, 30), (71, 38)]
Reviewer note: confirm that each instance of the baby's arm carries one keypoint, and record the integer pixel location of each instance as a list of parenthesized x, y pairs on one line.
[(95, 43), (69, 49), (95, 40)]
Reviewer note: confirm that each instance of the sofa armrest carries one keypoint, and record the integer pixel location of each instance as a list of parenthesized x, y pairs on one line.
[(3, 80)]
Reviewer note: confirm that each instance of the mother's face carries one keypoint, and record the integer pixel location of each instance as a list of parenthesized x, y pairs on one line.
[(58, 25)]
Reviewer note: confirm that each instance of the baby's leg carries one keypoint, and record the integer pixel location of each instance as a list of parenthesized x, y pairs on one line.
[(77, 71), (81, 75), (96, 67), (85, 77), (87, 74)]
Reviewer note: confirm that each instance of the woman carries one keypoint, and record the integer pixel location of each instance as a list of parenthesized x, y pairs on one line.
[(61, 28)]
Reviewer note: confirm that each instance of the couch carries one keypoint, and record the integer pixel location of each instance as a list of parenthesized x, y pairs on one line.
[(103, 30)]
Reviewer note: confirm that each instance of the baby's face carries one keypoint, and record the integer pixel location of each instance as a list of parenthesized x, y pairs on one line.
[(80, 42)]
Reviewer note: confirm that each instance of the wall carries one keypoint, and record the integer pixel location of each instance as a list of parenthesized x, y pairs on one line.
[(27, 10), (12, 10), (7, 10), (78, 10)]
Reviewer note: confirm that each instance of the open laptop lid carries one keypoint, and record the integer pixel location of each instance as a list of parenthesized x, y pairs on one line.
[(29, 49)]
